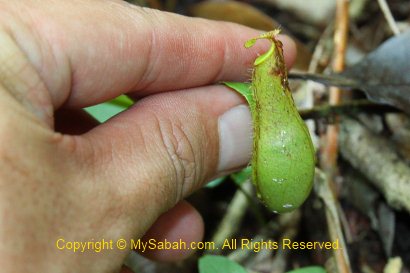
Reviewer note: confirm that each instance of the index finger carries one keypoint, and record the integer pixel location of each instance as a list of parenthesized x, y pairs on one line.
[(92, 51)]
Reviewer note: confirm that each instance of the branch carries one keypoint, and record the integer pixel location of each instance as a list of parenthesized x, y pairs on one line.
[(330, 150), (231, 222), (346, 109)]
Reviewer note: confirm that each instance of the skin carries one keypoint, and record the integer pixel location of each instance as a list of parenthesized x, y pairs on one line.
[(60, 174), (283, 160)]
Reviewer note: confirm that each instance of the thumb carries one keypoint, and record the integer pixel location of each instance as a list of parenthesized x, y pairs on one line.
[(168, 145)]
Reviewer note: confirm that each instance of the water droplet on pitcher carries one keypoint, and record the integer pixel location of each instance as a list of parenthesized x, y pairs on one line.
[(287, 206), (278, 180)]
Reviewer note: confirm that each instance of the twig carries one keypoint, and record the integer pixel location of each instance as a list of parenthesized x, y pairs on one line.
[(348, 108), (322, 187), (309, 98), (389, 17), (330, 151), (234, 214), (331, 80), (239, 255), (291, 231), (320, 49), (375, 157)]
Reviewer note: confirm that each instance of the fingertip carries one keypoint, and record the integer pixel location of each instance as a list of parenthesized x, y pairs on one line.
[(183, 223), (235, 138)]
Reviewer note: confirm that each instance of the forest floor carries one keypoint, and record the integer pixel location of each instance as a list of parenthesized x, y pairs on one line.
[(362, 190)]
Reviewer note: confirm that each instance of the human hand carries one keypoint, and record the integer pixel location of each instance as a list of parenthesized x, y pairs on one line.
[(114, 180)]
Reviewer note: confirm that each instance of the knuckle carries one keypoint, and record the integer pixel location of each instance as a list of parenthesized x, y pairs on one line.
[(182, 152)]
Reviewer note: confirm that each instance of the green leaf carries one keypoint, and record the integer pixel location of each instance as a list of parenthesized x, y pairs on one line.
[(309, 269), (104, 111), (245, 90), (219, 264), (241, 176), (216, 182), (122, 101)]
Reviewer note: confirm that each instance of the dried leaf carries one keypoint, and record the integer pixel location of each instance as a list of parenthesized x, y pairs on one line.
[(384, 74), (236, 12)]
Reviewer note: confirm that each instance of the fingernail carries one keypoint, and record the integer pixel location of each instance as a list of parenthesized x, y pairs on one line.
[(235, 138)]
